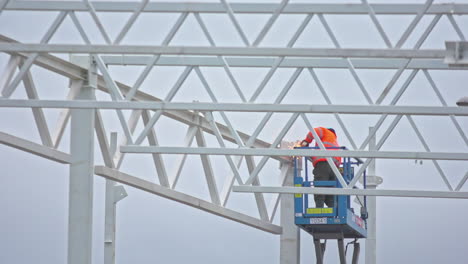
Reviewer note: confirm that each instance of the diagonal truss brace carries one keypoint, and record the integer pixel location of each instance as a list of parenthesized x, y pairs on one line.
[(186, 199)]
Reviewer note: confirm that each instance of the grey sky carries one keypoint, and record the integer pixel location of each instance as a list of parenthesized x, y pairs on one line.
[(34, 200)]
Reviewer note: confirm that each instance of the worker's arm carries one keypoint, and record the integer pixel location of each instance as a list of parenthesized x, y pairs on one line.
[(310, 136)]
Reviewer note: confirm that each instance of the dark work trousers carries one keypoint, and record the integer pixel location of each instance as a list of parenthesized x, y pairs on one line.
[(323, 172)]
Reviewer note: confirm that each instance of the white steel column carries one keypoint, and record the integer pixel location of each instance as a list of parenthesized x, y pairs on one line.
[(114, 193), (372, 182), (81, 177), (290, 238)]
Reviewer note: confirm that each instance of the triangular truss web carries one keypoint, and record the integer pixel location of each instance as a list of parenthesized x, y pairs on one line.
[(252, 25), (191, 33), (394, 26), (375, 80), (314, 35), (220, 79), (446, 25)]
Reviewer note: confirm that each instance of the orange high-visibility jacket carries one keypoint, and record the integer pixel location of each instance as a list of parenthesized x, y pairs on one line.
[(329, 140)]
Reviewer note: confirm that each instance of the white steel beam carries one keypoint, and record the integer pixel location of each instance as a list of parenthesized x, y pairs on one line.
[(398, 95), (275, 143), (34, 148), (154, 59), (156, 189), (64, 115), (221, 59), (9, 71), (290, 240), (229, 182), (397, 75), (52, 63), (114, 91), (92, 11), (73, 71), (277, 101), (103, 141), (393, 102), (456, 27), (371, 240), (279, 60), (462, 182), (333, 63), (180, 161), (270, 22), (357, 192), (337, 116), (170, 95), (113, 144), (38, 114), (26, 65), (242, 107), (113, 193), (262, 8), (234, 21), (259, 198), (350, 65), (414, 23), (132, 123), (377, 24), (382, 140), (79, 27), (224, 51), (115, 94), (426, 147), (209, 118), (157, 158), (80, 216), (208, 169), (215, 100), (31, 93), (444, 103), (274, 203), (130, 21), (297, 152)]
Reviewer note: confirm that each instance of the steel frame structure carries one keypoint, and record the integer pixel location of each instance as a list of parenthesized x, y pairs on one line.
[(90, 73)]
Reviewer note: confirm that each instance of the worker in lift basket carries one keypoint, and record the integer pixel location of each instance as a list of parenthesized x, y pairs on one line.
[(322, 170)]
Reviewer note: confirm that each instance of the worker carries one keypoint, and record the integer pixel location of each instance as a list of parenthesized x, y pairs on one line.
[(322, 170)]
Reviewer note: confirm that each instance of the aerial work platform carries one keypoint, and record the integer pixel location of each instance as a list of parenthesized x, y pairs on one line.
[(338, 222)]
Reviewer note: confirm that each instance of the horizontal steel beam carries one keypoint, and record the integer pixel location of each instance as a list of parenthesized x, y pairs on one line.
[(266, 8), (223, 51), (74, 71), (242, 107), (261, 62), (51, 63), (360, 192), (156, 189), (296, 152), (34, 148)]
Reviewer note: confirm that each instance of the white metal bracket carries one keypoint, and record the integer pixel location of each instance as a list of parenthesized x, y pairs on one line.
[(372, 180), (457, 53), (113, 143), (119, 193)]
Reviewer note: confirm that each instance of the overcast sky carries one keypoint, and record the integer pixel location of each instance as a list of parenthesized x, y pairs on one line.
[(150, 229)]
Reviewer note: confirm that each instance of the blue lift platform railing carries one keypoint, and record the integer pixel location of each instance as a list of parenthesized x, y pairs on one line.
[(337, 222)]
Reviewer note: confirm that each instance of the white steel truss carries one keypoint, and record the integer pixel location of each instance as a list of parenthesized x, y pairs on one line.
[(139, 111)]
